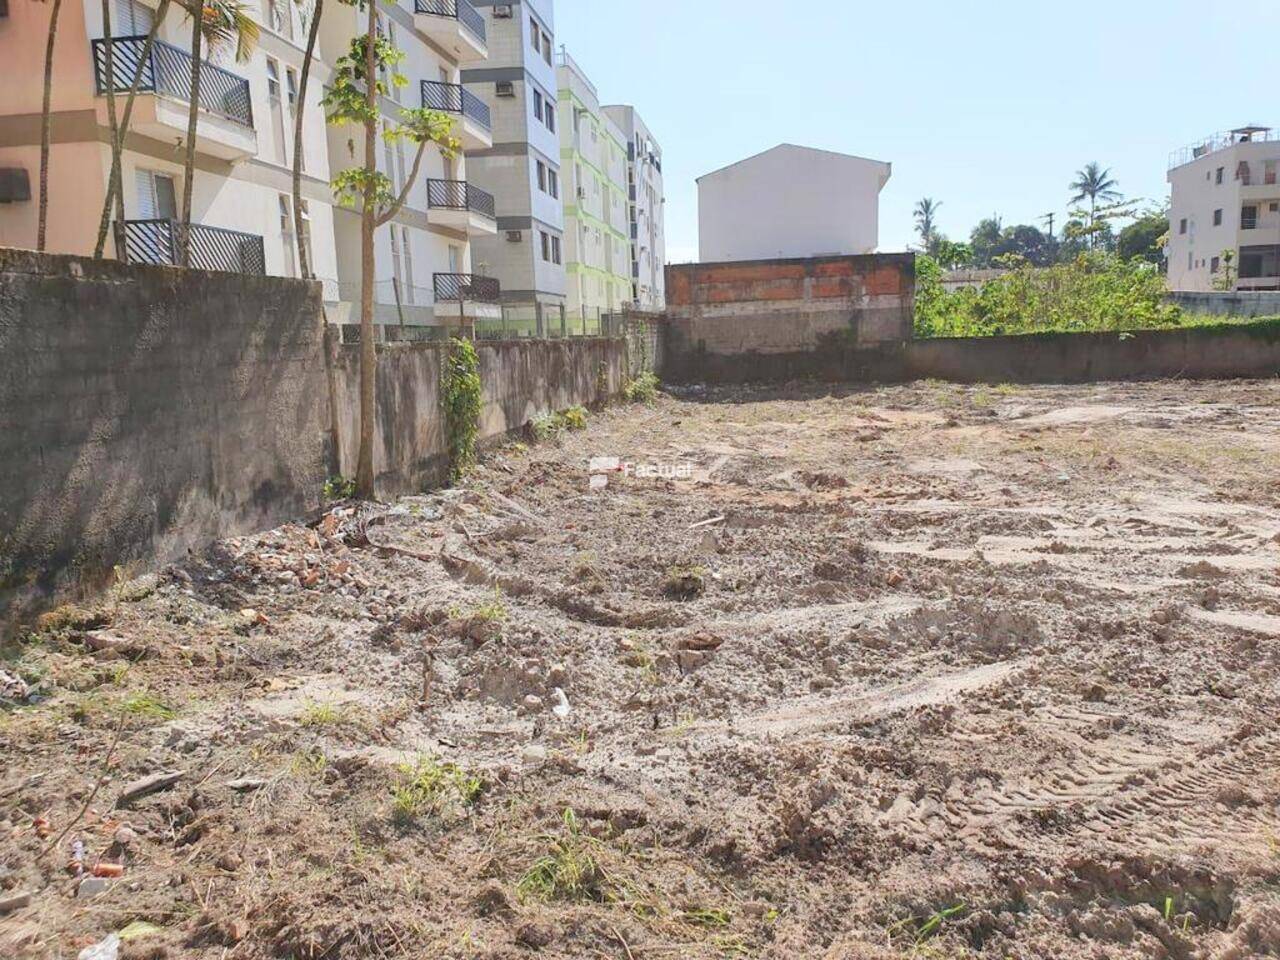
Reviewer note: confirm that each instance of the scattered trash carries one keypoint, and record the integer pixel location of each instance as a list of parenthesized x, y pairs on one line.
[(111, 870), (42, 827), (106, 949), (246, 784), (13, 687), (707, 523), (561, 708), (147, 786)]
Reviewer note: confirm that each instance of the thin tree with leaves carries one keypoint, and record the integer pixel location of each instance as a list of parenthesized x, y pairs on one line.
[(305, 267), (1093, 183), (362, 76), (926, 216), (46, 125), (216, 24)]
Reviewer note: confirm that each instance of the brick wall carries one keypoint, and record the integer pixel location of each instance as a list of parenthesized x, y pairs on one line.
[(719, 312)]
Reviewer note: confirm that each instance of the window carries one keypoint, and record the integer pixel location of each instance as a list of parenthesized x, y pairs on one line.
[(1217, 177), (291, 88), (553, 183), (537, 104), (555, 250), (546, 48), (1249, 218), (391, 35), (535, 34), (1182, 225), (546, 245), (1243, 173), (1190, 262), (273, 79), (286, 237), (549, 116), (542, 176), (1217, 218), (156, 196), (1274, 207), (1269, 172), (131, 19), (1214, 264)]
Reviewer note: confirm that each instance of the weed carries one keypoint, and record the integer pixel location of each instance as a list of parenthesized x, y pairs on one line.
[(317, 716), (491, 611), (643, 389), (309, 763), (707, 917), (338, 488), (148, 706), (575, 418), (920, 929), (430, 786), (570, 871), (685, 583)]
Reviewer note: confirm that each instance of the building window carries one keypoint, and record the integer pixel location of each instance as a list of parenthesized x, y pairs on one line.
[(1217, 218), (273, 79), (549, 116), (542, 176), (537, 104), (1217, 177), (1214, 264), (553, 183), (555, 250), (1182, 225), (546, 48), (546, 245), (535, 34), (1249, 218)]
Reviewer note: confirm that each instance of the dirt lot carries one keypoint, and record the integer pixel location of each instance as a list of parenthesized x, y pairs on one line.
[(920, 671)]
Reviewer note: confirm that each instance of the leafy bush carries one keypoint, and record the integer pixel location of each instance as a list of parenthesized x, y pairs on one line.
[(339, 488), (644, 388), (1095, 292), (461, 395), (550, 425)]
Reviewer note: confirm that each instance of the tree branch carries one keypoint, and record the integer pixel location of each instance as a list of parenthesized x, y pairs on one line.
[(408, 185)]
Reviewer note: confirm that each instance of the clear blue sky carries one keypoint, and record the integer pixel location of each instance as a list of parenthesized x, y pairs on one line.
[(988, 107)]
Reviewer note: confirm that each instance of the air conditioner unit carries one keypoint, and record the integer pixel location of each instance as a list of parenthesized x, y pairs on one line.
[(515, 236), (502, 11), (505, 88)]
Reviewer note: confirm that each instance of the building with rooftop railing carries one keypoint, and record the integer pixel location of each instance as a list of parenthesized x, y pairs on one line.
[(647, 214), (1224, 214), (242, 216)]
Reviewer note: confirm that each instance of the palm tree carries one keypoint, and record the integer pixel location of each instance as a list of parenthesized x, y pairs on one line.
[(926, 214), (214, 23), (304, 267), (46, 126), (1093, 183), (115, 192)]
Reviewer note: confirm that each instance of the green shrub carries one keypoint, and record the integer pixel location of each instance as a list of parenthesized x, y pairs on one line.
[(643, 389), (339, 488), (461, 396)]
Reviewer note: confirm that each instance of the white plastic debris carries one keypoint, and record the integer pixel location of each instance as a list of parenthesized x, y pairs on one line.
[(107, 949), (561, 708)]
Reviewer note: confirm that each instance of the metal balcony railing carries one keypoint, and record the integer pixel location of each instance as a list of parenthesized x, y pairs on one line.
[(212, 248), (466, 287), (460, 10), (168, 71), (454, 98), (460, 195)]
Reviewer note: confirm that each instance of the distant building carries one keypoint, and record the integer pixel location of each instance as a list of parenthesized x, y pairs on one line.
[(647, 210), (1225, 197), (791, 202)]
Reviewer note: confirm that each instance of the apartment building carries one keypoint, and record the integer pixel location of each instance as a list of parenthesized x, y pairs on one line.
[(1225, 198), (647, 209), (521, 168), (241, 201), (593, 154), (242, 191), (427, 274)]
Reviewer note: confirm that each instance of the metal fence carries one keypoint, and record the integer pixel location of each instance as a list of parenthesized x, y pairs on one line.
[(212, 248), (167, 70), (466, 288), (455, 98), (459, 10)]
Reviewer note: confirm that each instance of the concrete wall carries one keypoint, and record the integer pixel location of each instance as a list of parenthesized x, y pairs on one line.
[(522, 379), (723, 315), (1239, 304), (148, 410), (791, 202), (1201, 353)]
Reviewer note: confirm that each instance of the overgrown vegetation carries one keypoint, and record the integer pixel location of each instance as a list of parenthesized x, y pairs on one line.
[(550, 425), (1096, 291), (461, 397), (338, 488), (643, 389)]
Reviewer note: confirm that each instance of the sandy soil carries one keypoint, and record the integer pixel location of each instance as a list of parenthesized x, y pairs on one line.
[(920, 671)]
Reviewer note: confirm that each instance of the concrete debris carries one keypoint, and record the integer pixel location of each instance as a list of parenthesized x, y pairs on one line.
[(147, 786)]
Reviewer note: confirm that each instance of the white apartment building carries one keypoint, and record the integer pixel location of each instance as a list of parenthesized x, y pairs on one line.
[(593, 154), (242, 207), (647, 210), (426, 272), (791, 202), (1226, 197), (521, 168)]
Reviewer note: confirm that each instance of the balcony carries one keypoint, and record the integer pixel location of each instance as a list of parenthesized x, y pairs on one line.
[(466, 297), (458, 205), (454, 24), (212, 248), (475, 124), (225, 124)]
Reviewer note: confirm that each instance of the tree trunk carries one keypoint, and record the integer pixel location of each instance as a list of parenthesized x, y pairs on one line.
[(368, 349), (305, 267), (115, 185), (109, 54), (46, 127), (193, 114)]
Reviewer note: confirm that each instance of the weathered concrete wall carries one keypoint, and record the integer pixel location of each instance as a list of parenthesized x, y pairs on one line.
[(148, 410), (718, 313), (522, 379), (1197, 353), (1258, 303)]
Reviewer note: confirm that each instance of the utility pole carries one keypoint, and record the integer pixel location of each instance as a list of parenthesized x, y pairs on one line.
[(1049, 218)]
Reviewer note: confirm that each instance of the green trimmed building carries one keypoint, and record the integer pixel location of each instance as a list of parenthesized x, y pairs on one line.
[(593, 164)]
